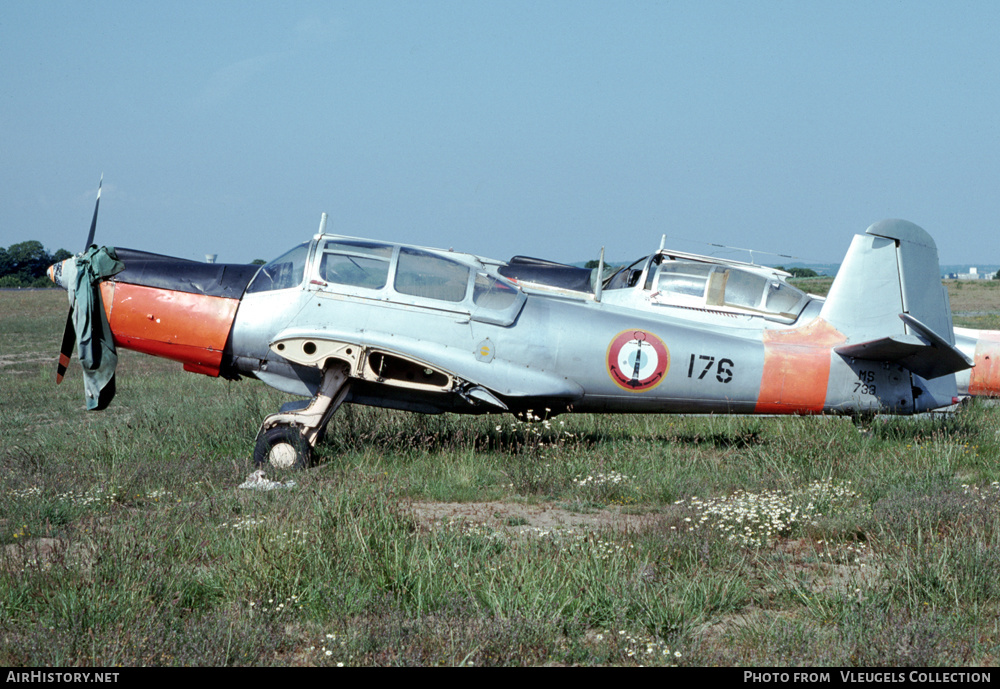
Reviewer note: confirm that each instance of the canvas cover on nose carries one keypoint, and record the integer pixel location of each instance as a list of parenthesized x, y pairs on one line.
[(94, 341)]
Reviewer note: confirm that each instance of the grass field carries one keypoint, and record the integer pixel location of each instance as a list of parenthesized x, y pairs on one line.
[(421, 540)]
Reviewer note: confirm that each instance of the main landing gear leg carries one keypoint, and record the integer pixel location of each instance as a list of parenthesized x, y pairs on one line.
[(286, 439)]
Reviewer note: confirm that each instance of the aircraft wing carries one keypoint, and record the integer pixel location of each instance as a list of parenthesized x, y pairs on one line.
[(425, 367)]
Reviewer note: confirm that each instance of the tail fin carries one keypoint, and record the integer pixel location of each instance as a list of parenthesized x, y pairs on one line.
[(888, 300), (889, 270)]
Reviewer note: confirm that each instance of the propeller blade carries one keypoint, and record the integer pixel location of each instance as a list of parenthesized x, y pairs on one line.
[(66, 350), (93, 223)]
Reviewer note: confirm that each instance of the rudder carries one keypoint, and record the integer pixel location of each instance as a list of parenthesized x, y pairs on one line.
[(888, 300)]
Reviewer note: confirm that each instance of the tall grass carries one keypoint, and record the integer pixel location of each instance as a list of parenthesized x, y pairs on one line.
[(635, 539)]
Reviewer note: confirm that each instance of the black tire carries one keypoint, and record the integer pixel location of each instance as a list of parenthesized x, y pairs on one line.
[(282, 448)]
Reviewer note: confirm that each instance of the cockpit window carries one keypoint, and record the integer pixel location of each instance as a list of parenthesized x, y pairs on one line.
[(688, 279), (626, 277), (284, 272), (745, 290), (423, 274), (785, 299), (751, 291), (358, 264), (490, 293)]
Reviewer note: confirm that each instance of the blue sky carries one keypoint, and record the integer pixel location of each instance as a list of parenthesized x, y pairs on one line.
[(540, 128)]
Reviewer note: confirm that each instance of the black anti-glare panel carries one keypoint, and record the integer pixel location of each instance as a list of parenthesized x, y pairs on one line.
[(165, 272), (548, 273)]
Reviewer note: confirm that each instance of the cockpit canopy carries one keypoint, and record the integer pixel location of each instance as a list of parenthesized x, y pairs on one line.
[(698, 284), (666, 279), (391, 272)]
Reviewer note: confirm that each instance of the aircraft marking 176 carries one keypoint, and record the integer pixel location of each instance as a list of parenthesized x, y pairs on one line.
[(341, 319)]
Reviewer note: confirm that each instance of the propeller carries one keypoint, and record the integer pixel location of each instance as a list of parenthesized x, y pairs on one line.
[(69, 333), (86, 322)]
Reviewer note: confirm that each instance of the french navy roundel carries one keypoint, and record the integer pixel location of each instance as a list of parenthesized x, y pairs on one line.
[(637, 360)]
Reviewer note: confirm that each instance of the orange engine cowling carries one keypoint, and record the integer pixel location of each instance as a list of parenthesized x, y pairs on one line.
[(174, 308), (185, 327)]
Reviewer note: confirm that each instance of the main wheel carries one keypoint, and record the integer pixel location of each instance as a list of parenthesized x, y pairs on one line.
[(282, 447)]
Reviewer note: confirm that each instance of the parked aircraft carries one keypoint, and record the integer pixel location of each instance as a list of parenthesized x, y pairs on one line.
[(344, 319)]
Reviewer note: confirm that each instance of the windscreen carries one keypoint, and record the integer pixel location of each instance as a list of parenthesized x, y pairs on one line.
[(283, 272)]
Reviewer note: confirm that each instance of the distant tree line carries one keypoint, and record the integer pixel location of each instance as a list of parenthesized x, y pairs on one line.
[(799, 272), (24, 264)]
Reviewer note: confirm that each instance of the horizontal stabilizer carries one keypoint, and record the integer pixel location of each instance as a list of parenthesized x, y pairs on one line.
[(926, 353)]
